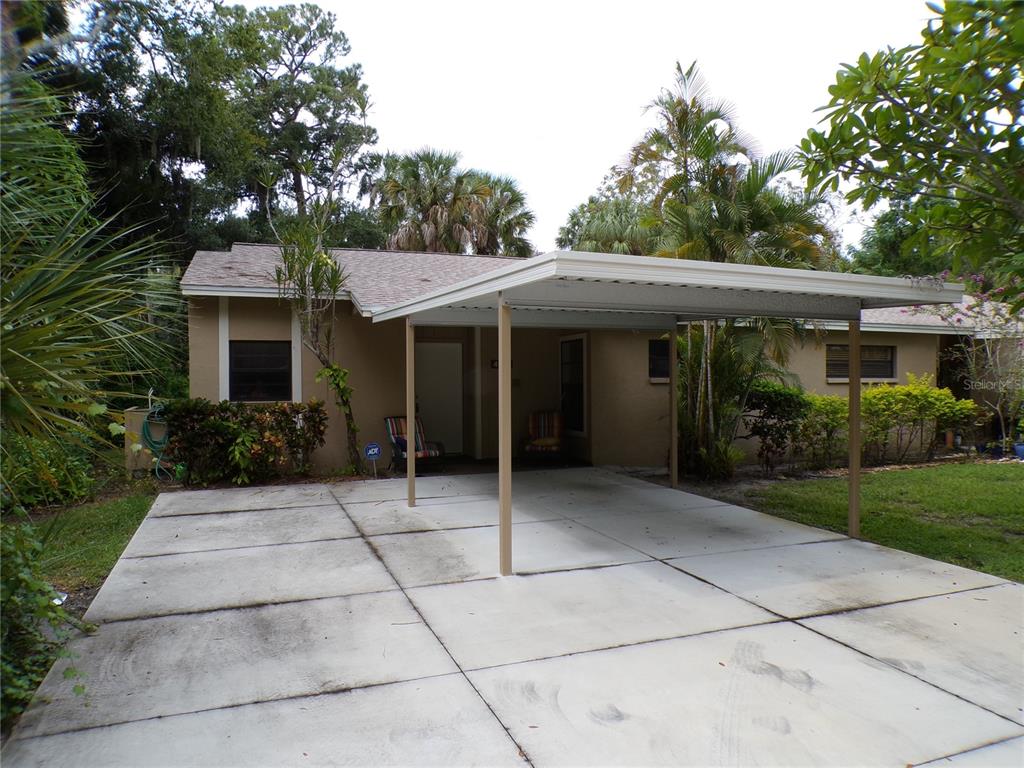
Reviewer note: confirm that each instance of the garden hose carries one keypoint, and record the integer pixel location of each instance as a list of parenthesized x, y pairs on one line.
[(157, 446)]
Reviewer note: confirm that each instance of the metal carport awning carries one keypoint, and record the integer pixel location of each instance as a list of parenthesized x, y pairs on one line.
[(570, 289)]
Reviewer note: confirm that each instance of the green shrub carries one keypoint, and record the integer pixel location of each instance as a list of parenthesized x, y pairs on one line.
[(778, 412), (27, 608), (45, 471), (897, 419), (242, 442), (823, 432)]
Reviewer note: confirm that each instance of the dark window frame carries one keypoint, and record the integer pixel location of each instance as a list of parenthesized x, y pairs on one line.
[(657, 360), (877, 362), (258, 375)]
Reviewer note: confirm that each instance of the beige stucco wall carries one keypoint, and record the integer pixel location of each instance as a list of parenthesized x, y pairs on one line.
[(202, 347), (630, 424), (626, 414), (916, 353)]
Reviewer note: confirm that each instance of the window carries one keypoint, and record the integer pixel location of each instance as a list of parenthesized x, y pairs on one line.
[(572, 381), (657, 359), (260, 370), (876, 362)]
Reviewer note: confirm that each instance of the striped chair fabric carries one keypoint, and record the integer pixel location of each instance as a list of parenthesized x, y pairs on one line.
[(545, 432), (396, 428)]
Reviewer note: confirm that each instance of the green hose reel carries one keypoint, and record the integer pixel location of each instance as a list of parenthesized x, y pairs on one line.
[(157, 445)]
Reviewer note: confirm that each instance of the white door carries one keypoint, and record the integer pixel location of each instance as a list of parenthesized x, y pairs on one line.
[(439, 392)]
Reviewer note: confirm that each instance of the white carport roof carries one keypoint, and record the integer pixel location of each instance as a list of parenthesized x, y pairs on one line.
[(569, 289)]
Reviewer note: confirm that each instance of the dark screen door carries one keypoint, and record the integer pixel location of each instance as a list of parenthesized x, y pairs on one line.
[(572, 384)]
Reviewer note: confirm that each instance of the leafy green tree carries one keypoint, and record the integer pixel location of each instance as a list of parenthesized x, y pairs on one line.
[(889, 247), (428, 203), (939, 125), (157, 122), (189, 111), (303, 106)]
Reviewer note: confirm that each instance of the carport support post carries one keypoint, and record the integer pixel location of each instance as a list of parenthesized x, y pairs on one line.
[(673, 406), (504, 436), (853, 492), (410, 408)]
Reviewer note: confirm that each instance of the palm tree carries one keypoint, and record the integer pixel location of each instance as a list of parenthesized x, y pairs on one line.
[(718, 201), (502, 221), (428, 203), (694, 139), (611, 225)]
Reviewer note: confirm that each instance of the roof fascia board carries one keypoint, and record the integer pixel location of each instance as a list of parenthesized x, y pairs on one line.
[(526, 271), (254, 293), (868, 289), (943, 330), (541, 318), (602, 266)]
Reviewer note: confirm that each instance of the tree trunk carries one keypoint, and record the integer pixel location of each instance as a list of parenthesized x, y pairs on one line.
[(299, 191), (355, 456)]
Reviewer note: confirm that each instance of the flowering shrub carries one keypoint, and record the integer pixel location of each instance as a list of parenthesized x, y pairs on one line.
[(243, 442)]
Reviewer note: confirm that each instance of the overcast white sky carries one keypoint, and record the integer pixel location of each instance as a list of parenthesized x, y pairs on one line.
[(552, 93)]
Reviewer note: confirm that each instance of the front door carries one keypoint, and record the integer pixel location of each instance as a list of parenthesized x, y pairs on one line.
[(439, 392)]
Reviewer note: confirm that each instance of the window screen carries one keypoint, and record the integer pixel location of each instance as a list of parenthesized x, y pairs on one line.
[(876, 362), (657, 359), (572, 384), (260, 370)]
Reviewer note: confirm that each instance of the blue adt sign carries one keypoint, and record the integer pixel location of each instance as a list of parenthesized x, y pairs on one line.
[(372, 451)]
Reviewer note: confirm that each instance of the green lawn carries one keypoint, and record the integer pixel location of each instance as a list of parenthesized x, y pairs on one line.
[(84, 542), (967, 514)]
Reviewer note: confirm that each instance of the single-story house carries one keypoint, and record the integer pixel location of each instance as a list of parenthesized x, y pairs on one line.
[(609, 383)]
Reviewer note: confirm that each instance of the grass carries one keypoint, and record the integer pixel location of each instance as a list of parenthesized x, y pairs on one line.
[(967, 514), (83, 543)]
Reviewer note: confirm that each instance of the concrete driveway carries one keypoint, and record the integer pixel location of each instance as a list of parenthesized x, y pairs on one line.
[(331, 625)]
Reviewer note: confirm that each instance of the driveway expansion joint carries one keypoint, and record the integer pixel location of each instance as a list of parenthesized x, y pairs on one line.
[(522, 752)]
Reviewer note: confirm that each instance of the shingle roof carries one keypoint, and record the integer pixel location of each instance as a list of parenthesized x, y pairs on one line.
[(379, 279), (375, 279)]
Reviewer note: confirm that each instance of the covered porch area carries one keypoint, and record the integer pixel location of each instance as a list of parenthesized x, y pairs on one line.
[(602, 291)]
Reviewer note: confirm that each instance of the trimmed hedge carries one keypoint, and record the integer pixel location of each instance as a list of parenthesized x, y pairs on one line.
[(242, 442), (898, 422)]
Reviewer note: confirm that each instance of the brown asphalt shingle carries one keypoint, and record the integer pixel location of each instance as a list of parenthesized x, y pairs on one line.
[(376, 279)]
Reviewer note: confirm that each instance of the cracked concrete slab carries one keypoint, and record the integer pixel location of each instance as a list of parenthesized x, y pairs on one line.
[(238, 499), (400, 724), (376, 518), (764, 694), (769, 695), (438, 557), (806, 579), (135, 670), (969, 643), (226, 530), (702, 530), (201, 581), (500, 621)]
